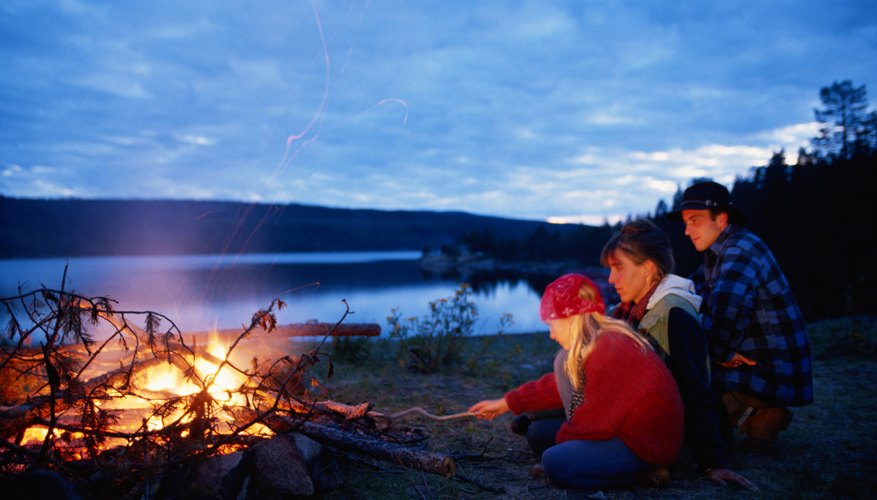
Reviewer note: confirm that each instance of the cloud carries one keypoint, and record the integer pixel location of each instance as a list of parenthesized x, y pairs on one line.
[(11, 170), (788, 136), (117, 85), (532, 109), (196, 140), (42, 179)]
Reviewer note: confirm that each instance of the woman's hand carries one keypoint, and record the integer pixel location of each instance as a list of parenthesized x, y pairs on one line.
[(737, 360), (489, 409), (725, 476)]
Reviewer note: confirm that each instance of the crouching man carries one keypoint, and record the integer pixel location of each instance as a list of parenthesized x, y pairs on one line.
[(759, 349)]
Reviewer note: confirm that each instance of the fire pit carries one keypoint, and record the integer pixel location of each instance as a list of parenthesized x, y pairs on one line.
[(107, 401)]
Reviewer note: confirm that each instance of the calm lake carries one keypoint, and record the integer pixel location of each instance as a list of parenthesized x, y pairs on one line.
[(208, 291)]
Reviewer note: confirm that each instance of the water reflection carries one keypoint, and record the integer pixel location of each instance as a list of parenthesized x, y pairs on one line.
[(203, 292)]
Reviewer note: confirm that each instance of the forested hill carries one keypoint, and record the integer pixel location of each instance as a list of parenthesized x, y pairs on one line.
[(68, 228)]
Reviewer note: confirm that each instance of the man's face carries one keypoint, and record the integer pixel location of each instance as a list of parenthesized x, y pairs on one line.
[(703, 228)]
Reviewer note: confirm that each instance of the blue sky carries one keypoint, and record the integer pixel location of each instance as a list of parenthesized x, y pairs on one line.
[(561, 110)]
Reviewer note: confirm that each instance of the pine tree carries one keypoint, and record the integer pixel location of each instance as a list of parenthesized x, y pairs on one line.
[(843, 114)]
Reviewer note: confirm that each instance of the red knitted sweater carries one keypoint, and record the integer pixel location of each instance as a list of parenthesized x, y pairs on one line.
[(627, 394)]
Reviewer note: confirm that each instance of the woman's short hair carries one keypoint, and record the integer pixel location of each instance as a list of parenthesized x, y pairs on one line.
[(641, 240)]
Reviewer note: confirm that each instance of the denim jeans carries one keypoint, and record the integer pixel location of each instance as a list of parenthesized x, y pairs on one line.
[(584, 464)]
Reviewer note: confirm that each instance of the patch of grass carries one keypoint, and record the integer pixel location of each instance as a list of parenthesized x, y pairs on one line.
[(826, 452), (854, 336), (353, 349)]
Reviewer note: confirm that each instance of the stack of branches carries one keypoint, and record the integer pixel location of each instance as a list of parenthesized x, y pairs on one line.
[(47, 360)]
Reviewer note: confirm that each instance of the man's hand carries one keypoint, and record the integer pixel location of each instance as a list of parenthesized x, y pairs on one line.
[(725, 476), (737, 360)]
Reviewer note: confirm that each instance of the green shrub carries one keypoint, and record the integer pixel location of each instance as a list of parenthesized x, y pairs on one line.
[(428, 343)]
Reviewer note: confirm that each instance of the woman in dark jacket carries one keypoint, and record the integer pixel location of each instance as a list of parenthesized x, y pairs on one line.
[(664, 308)]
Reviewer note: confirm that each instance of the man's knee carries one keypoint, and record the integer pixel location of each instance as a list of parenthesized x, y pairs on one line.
[(762, 427), (756, 422)]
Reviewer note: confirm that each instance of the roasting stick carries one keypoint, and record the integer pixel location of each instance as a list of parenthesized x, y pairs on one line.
[(421, 411)]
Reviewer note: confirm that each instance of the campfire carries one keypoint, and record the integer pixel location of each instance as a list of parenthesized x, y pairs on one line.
[(122, 403)]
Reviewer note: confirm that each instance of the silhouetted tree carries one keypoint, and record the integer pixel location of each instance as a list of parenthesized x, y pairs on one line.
[(866, 137), (805, 158), (777, 170), (677, 198), (842, 115), (661, 209)]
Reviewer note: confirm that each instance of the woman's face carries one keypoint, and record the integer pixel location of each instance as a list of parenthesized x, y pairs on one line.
[(632, 281), (560, 332)]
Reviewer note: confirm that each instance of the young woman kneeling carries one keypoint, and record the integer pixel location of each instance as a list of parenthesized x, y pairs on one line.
[(624, 416)]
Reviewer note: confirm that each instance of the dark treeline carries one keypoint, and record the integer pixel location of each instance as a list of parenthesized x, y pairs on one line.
[(816, 215), (546, 243), (72, 228)]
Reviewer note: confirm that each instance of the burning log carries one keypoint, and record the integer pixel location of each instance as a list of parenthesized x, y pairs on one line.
[(61, 398), (15, 419)]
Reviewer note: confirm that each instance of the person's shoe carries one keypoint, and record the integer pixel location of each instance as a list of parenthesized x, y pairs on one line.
[(763, 426), (520, 424), (654, 478)]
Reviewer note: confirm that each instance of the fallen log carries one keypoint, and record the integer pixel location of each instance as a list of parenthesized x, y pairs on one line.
[(320, 329), (308, 330), (348, 412), (427, 461)]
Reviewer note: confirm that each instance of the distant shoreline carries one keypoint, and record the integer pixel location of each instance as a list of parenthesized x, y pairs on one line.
[(77, 227), (330, 257)]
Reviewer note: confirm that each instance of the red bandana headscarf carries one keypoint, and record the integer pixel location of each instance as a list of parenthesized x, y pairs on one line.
[(561, 298)]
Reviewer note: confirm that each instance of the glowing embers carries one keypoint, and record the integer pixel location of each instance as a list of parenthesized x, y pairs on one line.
[(161, 397)]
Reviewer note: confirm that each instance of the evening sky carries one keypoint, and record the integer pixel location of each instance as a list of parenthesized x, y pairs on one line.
[(548, 109)]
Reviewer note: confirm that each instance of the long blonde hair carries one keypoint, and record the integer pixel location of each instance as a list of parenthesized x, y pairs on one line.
[(585, 329)]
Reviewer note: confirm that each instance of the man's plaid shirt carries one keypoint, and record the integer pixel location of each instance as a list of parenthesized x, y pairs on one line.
[(749, 308)]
